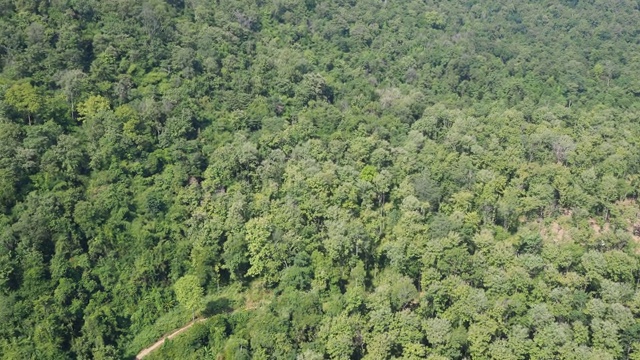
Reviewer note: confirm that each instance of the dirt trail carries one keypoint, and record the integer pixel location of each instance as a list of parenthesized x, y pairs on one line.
[(159, 343)]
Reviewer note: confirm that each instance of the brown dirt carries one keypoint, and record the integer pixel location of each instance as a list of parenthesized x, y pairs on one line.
[(558, 232)]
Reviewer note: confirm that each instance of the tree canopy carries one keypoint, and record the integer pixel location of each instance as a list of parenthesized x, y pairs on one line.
[(320, 179)]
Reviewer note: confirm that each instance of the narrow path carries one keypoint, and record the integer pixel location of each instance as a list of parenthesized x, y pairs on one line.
[(159, 343)]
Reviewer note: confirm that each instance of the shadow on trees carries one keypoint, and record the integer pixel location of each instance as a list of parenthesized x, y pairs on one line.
[(217, 306)]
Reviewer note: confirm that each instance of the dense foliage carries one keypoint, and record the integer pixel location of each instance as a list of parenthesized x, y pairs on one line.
[(325, 179)]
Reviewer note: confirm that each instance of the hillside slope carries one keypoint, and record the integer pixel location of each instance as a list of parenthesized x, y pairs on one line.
[(380, 179)]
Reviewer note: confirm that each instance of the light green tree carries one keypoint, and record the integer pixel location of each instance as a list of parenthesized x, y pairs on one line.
[(189, 293), (24, 98), (92, 106)]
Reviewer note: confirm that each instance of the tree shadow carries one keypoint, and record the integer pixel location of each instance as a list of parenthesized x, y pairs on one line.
[(217, 306)]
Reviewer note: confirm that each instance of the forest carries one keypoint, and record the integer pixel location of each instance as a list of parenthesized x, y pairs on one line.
[(320, 179)]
